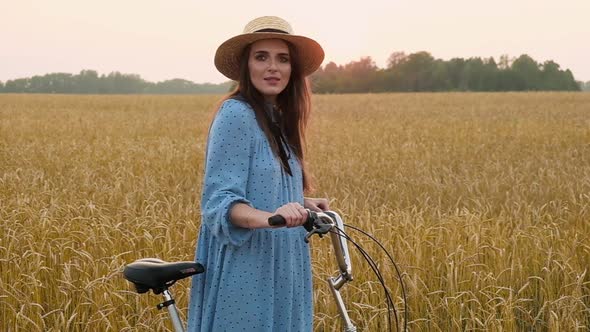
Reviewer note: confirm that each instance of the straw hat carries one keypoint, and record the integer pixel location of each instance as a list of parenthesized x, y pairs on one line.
[(227, 57)]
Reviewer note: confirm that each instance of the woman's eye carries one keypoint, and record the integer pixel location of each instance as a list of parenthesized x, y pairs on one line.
[(284, 59), (260, 57)]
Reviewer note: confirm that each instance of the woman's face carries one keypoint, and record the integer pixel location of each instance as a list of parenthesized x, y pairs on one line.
[(269, 65)]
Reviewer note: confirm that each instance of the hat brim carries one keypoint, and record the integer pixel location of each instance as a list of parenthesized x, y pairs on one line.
[(227, 56)]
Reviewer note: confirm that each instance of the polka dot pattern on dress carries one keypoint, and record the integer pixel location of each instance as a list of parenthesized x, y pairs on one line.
[(254, 280)]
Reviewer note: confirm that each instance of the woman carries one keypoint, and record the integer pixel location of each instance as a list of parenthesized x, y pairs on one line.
[(257, 278)]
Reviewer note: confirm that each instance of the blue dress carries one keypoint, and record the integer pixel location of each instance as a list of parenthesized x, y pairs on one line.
[(254, 280)]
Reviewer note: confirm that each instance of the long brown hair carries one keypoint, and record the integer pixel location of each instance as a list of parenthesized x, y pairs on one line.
[(295, 105)]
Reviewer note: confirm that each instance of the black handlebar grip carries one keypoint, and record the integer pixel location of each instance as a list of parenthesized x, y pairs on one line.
[(277, 220)]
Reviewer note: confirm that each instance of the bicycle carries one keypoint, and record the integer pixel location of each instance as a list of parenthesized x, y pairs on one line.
[(157, 275)]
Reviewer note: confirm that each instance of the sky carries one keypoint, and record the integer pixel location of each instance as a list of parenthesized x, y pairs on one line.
[(165, 39)]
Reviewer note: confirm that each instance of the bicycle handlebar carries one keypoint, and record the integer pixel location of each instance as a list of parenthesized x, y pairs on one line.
[(322, 223), (315, 221)]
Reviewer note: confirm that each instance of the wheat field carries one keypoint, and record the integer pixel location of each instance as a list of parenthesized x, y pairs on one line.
[(482, 199)]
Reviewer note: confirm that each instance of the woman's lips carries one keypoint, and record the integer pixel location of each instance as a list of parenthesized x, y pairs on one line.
[(272, 80)]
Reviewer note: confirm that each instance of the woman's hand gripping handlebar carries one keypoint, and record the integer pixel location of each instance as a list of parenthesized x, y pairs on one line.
[(317, 223)]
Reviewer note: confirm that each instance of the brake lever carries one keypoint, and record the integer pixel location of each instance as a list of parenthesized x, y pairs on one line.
[(319, 231), (316, 225)]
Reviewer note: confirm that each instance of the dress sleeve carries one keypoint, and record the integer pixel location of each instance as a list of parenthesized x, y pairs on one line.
[(229, 149)]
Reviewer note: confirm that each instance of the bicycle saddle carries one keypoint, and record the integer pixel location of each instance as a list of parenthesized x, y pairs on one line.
[(157, 275)]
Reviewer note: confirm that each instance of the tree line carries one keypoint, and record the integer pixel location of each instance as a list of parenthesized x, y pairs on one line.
[(413, 72), (422, 72), (89, 82)]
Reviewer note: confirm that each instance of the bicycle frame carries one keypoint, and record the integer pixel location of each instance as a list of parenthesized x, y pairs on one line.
[(172, 311), (334, 224)]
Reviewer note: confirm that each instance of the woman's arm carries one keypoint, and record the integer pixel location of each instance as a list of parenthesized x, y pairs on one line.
[(229, 147), (245, 216)]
